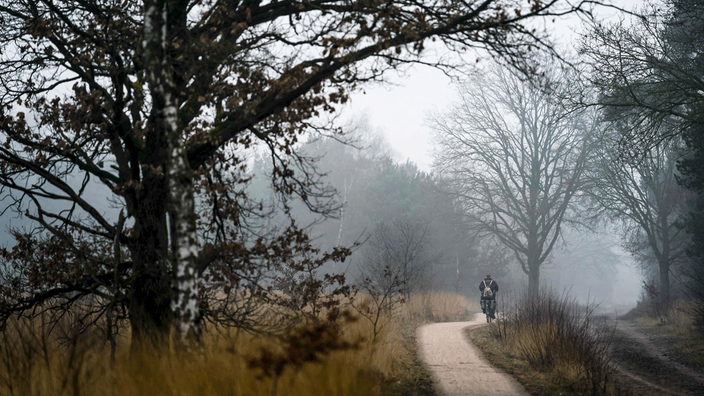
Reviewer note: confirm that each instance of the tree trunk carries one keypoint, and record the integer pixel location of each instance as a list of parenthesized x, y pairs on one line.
[(407, 287), (150, 297), (665, 284), (534, 280), (533, 262), (664, 259), (150, 307), (184, 243)]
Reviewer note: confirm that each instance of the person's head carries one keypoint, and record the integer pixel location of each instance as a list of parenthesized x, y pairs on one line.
[(488, 275)]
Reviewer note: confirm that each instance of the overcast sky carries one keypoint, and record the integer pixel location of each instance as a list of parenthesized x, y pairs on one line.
[(400, 109)]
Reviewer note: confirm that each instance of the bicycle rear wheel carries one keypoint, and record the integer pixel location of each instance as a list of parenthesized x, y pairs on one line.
[(490, 307)]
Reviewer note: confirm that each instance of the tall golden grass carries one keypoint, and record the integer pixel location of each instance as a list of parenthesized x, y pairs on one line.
[(439, 307), (34, 362), (679, 317), (559, 339)]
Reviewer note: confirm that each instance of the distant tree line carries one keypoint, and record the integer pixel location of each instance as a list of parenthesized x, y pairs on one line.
[(402, 217)]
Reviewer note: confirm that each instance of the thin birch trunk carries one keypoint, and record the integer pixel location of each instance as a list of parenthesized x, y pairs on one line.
[(342, 210), (184, 242), (179, 175)]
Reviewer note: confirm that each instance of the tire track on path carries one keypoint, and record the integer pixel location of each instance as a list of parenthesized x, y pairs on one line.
[(648, 364)]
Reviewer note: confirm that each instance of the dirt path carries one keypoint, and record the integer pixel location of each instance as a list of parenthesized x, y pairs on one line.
[(456, 365), (647, 364)]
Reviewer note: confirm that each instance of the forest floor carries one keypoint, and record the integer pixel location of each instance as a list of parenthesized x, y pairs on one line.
[(652, 359)]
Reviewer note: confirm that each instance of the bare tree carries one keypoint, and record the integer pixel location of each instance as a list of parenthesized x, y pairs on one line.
[(647, 199), (401, 248), (515, 158), (382, 295), (649, 71)]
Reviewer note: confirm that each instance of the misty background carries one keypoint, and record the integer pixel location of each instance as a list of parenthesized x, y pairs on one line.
[(385, 182)]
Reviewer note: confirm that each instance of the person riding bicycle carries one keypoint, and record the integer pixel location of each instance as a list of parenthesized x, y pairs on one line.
[(488, 287)]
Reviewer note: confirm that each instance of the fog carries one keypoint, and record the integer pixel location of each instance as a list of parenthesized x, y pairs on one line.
[(588, 262), (384, 198)]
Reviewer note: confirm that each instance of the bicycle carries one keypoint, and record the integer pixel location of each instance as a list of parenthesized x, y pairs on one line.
[(490, 310)]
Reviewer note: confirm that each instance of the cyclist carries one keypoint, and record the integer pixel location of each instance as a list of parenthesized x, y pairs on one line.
[(488, 287)]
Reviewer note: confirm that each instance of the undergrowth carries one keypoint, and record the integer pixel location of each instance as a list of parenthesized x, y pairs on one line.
[(318, 357), (558, 339)]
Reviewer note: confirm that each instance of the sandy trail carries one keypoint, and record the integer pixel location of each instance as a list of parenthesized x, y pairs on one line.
[(456, 366)]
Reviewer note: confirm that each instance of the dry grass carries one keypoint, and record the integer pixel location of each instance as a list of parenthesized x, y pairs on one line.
[(438, 307), (535, 381), (679, 318), (558, 341), (32, 367), (34, 362)]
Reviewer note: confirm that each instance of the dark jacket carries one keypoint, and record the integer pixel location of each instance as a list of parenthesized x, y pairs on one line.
[(491, 283)]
